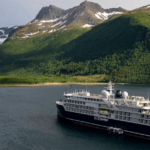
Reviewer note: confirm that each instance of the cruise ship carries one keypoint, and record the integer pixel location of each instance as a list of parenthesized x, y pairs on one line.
[(117, 113)]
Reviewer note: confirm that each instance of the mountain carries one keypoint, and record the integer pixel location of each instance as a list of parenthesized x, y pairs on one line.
[(52, 18), (118, 47), (4, 33), (143, 8), (86, 13)]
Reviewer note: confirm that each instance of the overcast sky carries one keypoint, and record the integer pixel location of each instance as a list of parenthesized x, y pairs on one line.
[(20, 12)]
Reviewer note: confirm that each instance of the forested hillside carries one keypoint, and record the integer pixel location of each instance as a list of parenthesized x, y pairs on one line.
[(35, 55), (118, 48)]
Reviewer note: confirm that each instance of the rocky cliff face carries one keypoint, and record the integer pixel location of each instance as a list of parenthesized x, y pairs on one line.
[(51, 18), (86, 13), (51, 12)]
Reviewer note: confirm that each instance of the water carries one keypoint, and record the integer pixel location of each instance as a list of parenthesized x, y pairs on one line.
[(28, 121)]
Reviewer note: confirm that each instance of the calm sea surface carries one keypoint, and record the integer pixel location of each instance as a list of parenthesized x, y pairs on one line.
[(28, 121)]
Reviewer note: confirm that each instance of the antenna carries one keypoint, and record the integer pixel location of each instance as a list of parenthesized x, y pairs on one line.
[(86, 88), (110, 86)]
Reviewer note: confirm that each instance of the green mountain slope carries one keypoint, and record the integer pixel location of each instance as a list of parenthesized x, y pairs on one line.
[(113, 36), (119, 48), (28, 56)]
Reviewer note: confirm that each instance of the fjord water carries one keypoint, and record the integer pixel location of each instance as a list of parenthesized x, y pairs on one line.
[(28, 121)]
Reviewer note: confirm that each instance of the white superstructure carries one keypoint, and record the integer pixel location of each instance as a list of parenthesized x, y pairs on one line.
[(107, 105)]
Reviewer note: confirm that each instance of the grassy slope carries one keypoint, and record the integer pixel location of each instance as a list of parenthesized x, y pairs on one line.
[(19, 56), (90, 78), (113, 36), (45, 79), (36, 79)]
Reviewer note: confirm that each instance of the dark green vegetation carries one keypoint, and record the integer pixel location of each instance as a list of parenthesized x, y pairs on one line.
[(119, 48), (35, 79)]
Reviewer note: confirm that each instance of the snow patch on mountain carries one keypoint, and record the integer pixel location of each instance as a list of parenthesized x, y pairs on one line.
[(53, 20), (52, 31), (48, 21), (24, 37), (42, 22), (63, 22), (2, 31), (98, 16), (35, 21), (39, 24), (65, 16), (147, 7), (2, 40), (87, 26), (33, 33), (57, 24), (62, 27), (15, 27), (105, 15), (10, 26), (44, 31), (28, 35)]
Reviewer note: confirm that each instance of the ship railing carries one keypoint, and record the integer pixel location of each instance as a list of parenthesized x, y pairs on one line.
[(96, 95)]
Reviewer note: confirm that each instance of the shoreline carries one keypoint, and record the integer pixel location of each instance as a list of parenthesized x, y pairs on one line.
[(54, 84)]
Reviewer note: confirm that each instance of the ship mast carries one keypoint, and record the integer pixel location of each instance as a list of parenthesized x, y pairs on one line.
[(110, 87)]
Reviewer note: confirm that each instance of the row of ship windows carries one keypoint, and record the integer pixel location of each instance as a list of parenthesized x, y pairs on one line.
[(79, 111), (145, 116), (129, 119), (90, 99), (102, 105), (76, 102), (123, 118), (143, 121), (122, 113), (79, 106), (128, 114)]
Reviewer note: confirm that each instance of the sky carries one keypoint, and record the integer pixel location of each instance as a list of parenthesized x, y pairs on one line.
[(20, 12)]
